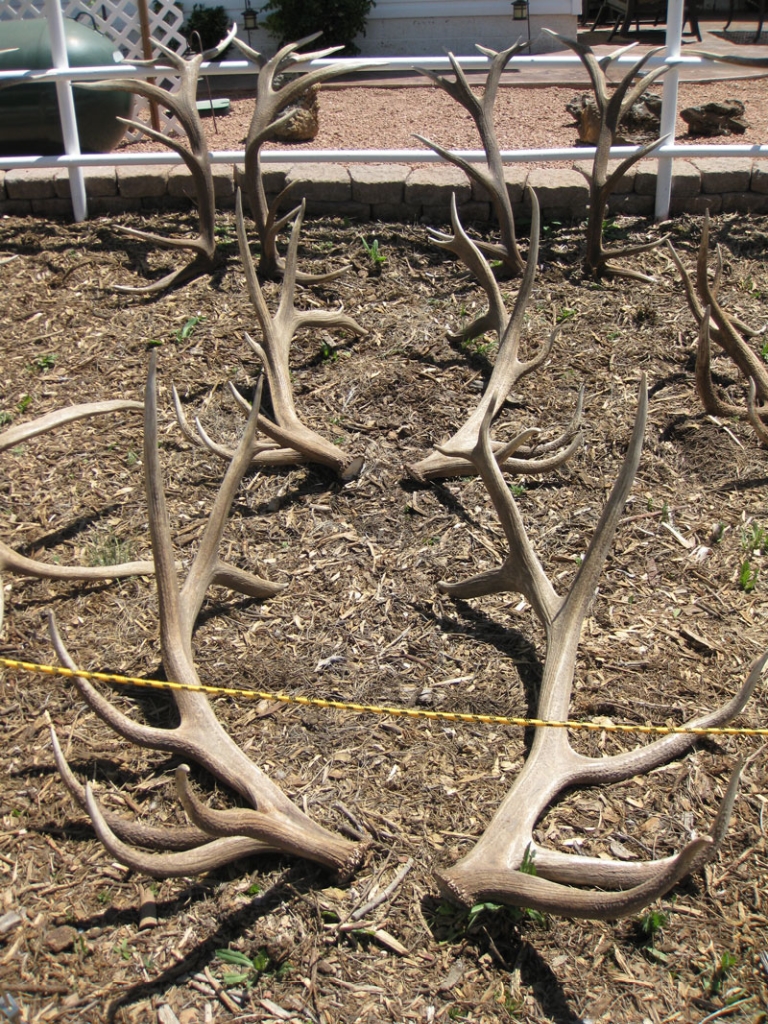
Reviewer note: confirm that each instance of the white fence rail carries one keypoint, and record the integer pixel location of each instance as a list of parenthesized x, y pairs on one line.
[(74, 161)]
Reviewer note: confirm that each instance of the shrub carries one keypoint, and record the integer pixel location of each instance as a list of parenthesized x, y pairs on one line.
[(339, 20), (211, 23)]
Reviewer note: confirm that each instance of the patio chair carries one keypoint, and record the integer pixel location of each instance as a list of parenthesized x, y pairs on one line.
[(760, 5), (655, 11)]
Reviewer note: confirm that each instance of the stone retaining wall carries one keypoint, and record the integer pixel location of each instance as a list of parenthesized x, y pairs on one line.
[(397, 192)]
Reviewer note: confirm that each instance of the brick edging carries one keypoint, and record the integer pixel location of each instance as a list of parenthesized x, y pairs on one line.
[(397, 192)]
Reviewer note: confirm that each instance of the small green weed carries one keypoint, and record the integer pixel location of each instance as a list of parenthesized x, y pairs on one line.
[(527, 866), (131, 458), (328, 353), (566, 313), (516, 490), (651, 923), (373, 251), (43, 363), (24, 403), (109, 550), (5, 419), (185, 333), (251, 968), (748, 576), (477, 345), (754, 539), (727, 962), (123, 950)]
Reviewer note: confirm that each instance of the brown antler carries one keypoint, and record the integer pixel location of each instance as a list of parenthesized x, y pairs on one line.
[(507, 370), (291, 440), (10, 560), (197, 158), (612, 107), (490, 177), (274, 823), (492, 869), (274, 108), (706, 308)]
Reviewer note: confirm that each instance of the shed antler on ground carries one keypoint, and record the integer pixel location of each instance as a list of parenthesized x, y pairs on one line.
[(272, 822), (567, 884)]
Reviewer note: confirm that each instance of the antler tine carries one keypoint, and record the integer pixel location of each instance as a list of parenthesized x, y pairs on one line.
[(490, 869), (274, 352), (199, 736), (10, 560), (507, 370)]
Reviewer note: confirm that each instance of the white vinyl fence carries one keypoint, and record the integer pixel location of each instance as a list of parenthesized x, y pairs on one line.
[(74, 160)]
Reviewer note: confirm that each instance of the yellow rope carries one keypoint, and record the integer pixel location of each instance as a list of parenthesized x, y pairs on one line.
[(375, 709)]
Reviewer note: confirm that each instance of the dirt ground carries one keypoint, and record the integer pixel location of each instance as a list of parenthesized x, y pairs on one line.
[(677, 622)]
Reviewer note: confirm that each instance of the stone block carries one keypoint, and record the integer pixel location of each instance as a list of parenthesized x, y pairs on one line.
[(113, 204), (686, 179), (52, 207), (405, 212), (759, 182), (694, 204), (434, 185), (323, 183), (378, 183), (559, 189), (15, 207), (632, 205), (142, 182), (99, 181), (626, 182), (474, 212), (744, 202), (353, 211), (273, 175), (515, 175), (29, 183), (723, 175)]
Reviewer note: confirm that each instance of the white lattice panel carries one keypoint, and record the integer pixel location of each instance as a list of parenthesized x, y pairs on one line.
[(119, 21)]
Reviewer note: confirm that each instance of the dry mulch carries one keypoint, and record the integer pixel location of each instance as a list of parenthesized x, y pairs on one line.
[(671, 635)]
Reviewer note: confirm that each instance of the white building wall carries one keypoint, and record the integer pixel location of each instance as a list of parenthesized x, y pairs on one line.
[(406, 28)]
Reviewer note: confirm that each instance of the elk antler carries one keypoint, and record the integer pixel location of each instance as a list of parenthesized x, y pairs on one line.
[(274, 108), (197, 158), (612, 107), (490, 177), (10, 560), (291, 440), (492, 869), (507, 370), (273, 823), (705, 307)]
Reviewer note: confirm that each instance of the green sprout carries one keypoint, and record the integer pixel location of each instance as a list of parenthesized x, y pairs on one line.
[(374, 253), (184, 333)]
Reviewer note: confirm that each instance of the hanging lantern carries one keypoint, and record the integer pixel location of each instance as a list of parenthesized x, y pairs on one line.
[(520, 10), (249, 18)]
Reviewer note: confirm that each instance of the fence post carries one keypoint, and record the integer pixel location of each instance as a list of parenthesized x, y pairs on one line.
[(675, 14), (55, 21)]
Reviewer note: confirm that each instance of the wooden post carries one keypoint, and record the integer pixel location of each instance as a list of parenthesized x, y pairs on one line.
[(146, 46)]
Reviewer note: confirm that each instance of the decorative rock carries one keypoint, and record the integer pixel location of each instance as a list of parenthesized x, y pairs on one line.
[(304, 124), (639, 124), (710, 119)]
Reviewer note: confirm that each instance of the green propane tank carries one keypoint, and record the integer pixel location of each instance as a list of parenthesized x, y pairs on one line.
[(29, 113)]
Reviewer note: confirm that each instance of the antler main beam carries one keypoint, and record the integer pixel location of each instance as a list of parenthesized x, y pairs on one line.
[(492, 869), (272, 822)]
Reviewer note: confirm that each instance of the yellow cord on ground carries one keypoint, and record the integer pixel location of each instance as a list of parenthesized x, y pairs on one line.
[(375, 709)]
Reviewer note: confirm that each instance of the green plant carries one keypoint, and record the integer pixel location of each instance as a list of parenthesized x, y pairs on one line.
[(527, 865), (184, 333), (5, 419), (328, 353), (210, 23), (516, 490), (24, 403), (374, 253), (477, 345), (109, 550), (565, 314), (123, 950), (251, 968), (727, 962), (339, 20), (747, 576), (754, 539), (651, 923), (43, 363)]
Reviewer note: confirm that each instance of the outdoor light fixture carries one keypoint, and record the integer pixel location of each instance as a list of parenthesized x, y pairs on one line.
[(249, 18), (520, 10)]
